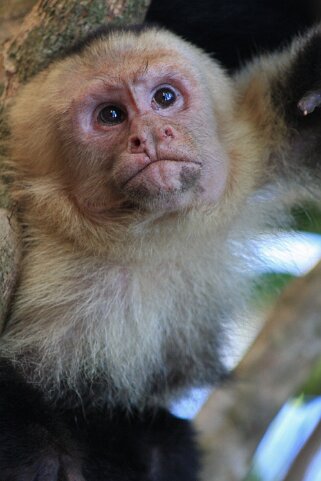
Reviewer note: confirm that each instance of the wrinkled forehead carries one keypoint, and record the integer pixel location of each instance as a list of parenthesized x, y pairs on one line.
[(122, 59), (138, 56)]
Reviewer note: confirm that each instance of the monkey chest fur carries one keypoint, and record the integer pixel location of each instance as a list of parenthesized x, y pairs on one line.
[(144, 329)]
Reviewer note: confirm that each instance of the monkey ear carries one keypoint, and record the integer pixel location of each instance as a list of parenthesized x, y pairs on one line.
[(309, 102)]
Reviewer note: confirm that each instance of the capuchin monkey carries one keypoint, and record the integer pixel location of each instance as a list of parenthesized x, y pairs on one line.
[(235, 30), (142, 173)]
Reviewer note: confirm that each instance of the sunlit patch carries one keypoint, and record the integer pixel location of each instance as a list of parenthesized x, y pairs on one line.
[(292, 253), (283, 441)]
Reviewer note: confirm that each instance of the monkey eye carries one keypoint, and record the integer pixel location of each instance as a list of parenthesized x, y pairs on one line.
[(164, 97), (111, 115)]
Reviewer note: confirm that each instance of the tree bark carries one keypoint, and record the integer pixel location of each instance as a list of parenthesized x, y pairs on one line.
[(275, 368), (45, 32)]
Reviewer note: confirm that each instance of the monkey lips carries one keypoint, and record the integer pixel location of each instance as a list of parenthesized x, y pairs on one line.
[(168, 180)]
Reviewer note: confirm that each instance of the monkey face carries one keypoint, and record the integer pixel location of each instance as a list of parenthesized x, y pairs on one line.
[(144, 132), (132, 123)]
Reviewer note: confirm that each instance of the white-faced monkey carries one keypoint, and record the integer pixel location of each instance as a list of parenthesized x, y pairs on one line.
[(141, 171)]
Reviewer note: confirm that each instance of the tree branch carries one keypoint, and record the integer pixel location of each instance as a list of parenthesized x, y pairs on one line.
[(274, 369)]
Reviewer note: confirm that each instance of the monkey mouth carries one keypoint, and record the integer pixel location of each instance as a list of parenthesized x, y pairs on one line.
[(162, 172)]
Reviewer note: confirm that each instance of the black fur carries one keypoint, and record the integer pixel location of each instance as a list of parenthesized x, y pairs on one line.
[(235, 30), (302, 77), (296, 95), (154, 446), (42, 443)]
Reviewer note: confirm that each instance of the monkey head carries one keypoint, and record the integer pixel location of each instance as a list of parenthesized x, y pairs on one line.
[(132, 119)]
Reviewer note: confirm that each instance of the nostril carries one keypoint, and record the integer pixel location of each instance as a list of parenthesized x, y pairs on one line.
[(168, 132), (135, 142)]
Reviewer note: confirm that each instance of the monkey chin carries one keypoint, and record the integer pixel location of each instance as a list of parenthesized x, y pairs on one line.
[(165, 185)]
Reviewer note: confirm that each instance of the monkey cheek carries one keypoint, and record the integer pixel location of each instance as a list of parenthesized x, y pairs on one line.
[(165, 184)]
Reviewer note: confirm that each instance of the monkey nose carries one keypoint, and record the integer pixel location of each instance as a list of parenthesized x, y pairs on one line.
[(136, 144), (167, 132)]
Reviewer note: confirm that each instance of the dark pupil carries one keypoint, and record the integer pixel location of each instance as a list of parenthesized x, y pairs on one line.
[(111, 115), (165, 97)]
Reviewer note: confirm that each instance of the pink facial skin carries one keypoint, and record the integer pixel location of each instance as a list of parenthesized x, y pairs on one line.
[(150, 137)]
